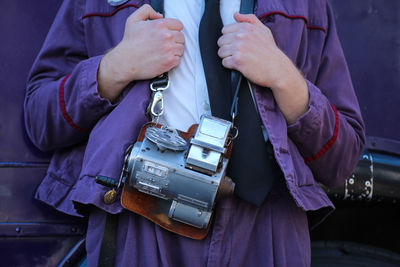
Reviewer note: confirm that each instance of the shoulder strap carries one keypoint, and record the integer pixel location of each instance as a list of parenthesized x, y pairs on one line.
[(158, 5), (246, 7)]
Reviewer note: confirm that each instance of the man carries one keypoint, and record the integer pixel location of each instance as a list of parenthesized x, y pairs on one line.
[(89, 89)]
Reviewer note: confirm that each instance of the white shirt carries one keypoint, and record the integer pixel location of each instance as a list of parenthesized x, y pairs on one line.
[(187, 98)]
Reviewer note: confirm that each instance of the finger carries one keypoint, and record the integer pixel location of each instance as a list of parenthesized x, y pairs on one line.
[(227, 38), (231, 28), (175, 62), (145, 12), (172, 24), (249, 18), (178, 37), (179, 50), (225, 51), (228, 62)]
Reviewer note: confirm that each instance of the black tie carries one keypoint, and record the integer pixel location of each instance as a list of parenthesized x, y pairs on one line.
[(252, 165), (217, 77)]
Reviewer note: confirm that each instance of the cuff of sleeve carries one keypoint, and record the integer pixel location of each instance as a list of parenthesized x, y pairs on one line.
[(316, 131), (56, 193), (90, 96), (87, 192), (309, 122)]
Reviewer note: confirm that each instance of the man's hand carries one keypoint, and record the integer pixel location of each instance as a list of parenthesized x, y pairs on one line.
[(150, 46), (249, 47)]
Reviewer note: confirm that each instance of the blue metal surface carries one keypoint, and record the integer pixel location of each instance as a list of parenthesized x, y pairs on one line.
[(24, 164), (35, 251), (34, 229), (76, 256), (23, 27), (370, 34), (17, 187)]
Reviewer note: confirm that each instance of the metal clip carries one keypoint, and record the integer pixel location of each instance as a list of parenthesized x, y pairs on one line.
[(157, 98), (155, 85)]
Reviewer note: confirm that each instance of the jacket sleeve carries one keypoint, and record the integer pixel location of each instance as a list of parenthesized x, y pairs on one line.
[(330, 136), (62, 103)]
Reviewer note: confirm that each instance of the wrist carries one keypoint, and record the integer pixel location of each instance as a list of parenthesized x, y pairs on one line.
[(113, 69), (111, 77), (287, 76), (291, 94)]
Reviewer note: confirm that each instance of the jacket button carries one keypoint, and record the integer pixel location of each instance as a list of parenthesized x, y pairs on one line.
[(110, 196)]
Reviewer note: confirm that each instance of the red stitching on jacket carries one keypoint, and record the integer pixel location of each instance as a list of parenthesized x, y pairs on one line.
[(331, 141), (62, 106), (109, 14), (310, 27)]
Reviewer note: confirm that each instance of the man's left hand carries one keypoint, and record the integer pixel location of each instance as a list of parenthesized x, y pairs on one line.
[(249, 47)]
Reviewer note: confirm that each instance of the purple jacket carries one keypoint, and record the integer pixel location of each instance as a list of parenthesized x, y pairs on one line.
[(64, 113)]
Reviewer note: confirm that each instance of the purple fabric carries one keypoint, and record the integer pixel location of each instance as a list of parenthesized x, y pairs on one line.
[(276, 234), (89, 136)]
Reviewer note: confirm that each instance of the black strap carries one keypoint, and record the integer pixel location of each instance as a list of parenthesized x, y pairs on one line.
[(108, 243), (158, 5), (246, 7)]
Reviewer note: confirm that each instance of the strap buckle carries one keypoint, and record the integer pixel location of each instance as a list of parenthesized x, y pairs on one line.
[(160, 83), (157, 86), (157, 99)]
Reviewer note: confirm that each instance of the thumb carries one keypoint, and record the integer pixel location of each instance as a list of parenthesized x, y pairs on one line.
[(145, 12), (249, 18)]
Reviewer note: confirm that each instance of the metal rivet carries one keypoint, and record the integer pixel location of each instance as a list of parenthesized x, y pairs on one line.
[(367, 183), (351, 181), (18, 229)]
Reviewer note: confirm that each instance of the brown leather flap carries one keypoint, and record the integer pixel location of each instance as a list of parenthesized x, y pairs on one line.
[(156, 210)]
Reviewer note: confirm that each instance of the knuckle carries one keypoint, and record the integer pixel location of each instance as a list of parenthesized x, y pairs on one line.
[(160, 24), (166, 36), (130, 20), (181, 49), (181, 37), (224, 60), (170, 62), (168, 48), (146, 8), (227, 63), (240, 36), (253, 17), (220, 41), (240, 48), (237, 59), (220, 52), (244, 27), (178, 24), (250, 28)]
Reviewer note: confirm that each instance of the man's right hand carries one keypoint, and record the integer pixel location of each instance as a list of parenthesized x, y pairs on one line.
[(151, 45)]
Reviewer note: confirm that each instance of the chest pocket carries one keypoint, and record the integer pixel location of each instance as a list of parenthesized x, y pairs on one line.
[(104, 24), (299, 33)]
